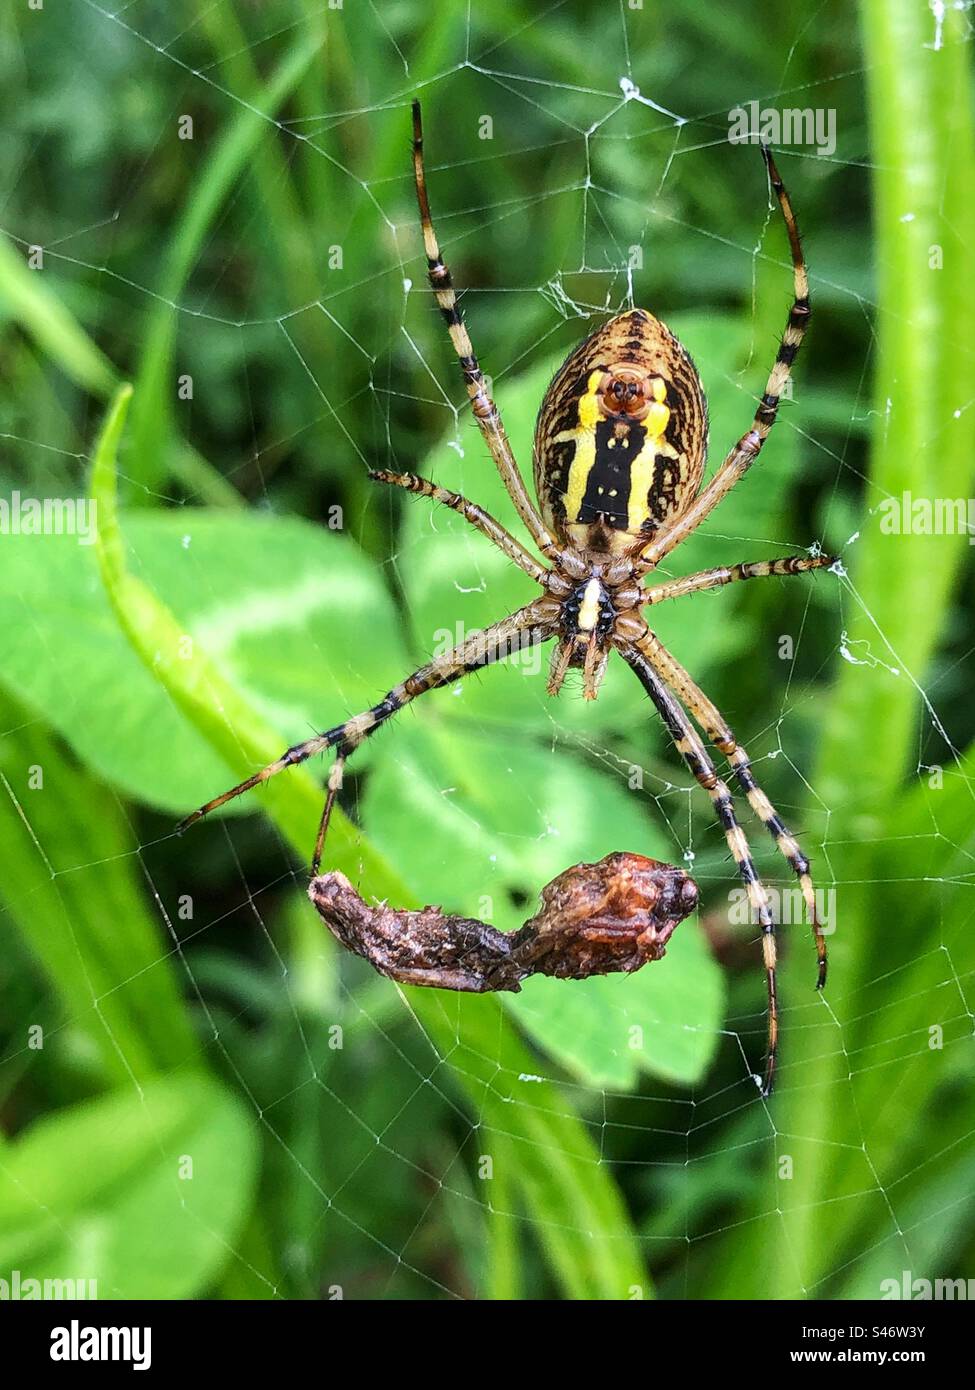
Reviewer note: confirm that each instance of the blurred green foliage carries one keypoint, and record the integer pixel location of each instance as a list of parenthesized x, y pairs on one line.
[(578, 1140)]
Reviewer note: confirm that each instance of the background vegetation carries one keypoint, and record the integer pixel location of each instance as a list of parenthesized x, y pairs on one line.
[(187, 997)]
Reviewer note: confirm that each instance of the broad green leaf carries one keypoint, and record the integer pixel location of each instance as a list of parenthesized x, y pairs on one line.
[(195, 683), (663, 1020), (291, 612), (144, 1191)]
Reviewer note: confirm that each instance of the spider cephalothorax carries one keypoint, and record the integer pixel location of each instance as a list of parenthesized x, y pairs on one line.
[(595, 600), (619, 459)]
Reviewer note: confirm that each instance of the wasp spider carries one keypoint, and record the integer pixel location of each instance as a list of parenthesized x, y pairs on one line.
[(618, 461)]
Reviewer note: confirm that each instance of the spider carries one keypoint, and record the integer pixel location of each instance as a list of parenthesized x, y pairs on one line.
[(619, 456)]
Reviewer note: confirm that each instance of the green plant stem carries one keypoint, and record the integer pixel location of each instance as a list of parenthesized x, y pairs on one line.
[(835, 1115)]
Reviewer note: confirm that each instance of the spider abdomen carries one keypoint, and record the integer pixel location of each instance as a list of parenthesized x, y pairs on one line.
[(621, 436)]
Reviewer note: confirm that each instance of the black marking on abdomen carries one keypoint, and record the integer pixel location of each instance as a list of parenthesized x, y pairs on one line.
[(660, 501), (557, 467), (608, 485)]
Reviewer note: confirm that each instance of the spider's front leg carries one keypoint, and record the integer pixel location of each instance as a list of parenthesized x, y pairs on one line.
[(692, 750), (533, 623), (485, 411), (741, 457)]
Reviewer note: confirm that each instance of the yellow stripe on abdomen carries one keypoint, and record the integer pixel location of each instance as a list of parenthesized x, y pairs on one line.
[(583, 458), (584, 454), (643, 467)]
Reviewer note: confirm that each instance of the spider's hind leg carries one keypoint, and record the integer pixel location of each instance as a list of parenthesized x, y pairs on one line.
[(709, 717), (692, 750)]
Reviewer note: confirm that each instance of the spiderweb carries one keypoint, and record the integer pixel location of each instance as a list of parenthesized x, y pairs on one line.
[(615, 188)]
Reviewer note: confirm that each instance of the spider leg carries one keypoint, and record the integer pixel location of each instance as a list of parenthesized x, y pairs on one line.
[(486, 413), (731, 574), (335, 777), (480, 649), (470, 511), (695, 755), (710, 719), (746, 451)]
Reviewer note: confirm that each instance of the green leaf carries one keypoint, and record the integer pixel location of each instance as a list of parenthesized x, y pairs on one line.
[(278, 605), (197, 684), (66, 659), (663, 1021), (100, 1191)]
